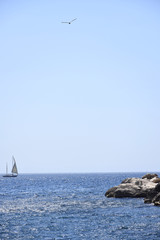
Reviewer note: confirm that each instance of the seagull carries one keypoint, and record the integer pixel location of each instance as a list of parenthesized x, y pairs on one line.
[(70, 21)]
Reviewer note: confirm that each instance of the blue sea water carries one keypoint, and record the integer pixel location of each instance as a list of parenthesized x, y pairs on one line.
[(73, 206)]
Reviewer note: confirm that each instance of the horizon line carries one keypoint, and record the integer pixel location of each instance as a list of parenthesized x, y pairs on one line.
[(23, 173)]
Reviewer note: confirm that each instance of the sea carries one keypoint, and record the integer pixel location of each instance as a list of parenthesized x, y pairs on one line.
[(73, 206)]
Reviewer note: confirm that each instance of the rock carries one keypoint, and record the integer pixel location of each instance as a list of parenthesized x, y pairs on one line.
[(149, 197), (157, 187), (150, 175), (132, 187), (156, 180), (156, 200), (154, 196), (147, 187), (157, 204), (109, 193)]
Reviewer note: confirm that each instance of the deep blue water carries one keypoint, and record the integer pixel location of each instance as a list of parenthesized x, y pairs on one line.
[(73, 206)]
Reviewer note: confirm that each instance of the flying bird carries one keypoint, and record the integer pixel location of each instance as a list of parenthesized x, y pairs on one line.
[(70, 21)]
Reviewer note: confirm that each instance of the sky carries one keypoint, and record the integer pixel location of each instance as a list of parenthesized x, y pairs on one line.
[(81, 97)]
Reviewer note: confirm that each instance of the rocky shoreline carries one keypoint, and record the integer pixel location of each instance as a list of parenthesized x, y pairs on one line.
[(147, 187)]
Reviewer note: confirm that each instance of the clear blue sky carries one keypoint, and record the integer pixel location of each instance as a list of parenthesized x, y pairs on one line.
[(83, 97)]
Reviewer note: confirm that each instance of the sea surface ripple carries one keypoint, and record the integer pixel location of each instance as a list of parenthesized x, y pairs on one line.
[(73, 206)]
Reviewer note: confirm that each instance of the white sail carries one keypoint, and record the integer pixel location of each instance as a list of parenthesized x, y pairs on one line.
[(14, 168)]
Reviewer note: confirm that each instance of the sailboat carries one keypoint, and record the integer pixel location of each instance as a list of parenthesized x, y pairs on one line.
[(14, 169)]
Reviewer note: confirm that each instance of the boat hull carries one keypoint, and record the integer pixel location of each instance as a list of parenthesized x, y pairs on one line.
[(10, 175)]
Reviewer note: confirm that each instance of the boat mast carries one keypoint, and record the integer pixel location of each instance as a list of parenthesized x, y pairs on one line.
[(6, 168)]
